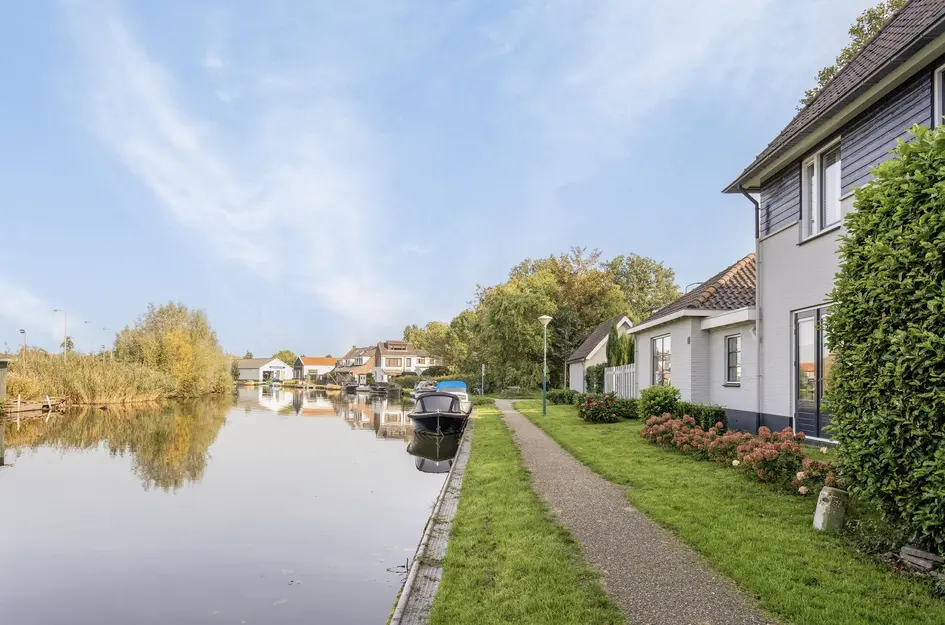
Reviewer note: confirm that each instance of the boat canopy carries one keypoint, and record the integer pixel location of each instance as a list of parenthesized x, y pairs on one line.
[(451, 385)]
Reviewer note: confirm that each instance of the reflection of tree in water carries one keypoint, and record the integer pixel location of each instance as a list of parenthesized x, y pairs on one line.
[(168, 444)]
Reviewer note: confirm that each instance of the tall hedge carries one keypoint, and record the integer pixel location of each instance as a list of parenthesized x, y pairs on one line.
[(886, 330)]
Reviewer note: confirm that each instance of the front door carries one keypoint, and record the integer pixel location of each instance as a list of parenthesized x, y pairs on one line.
[(811, 364)]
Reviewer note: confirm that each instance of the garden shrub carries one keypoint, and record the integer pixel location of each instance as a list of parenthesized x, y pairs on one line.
[(657, 400), (578, 398), (886, 334), (594, 378), (626, 408), (561, 396), (599, 409), (775, 457), (706, 416), (405, 381)]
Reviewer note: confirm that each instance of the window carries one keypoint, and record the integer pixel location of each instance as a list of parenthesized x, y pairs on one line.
[(421, 361), (662, 363), (813, 361), (938, 102), (407, 363), (820, 196), (395, 362), (733, 359)]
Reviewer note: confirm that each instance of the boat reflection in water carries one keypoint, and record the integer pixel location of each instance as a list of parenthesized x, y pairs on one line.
[(434, 453)]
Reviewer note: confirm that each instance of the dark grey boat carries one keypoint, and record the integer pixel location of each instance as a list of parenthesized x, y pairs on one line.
[(439, 412)]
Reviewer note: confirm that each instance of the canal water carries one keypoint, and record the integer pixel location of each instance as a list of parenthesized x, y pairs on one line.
[(271, 506)]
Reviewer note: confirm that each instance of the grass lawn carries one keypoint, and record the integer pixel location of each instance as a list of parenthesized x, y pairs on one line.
[(508, 561), (756, 535)]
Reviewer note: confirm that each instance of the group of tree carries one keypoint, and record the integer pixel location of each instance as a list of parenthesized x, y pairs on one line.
[(178, 341), (578, 289)]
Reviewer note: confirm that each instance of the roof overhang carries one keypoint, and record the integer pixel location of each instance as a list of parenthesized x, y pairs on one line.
[(895, 72), (679, 314), (729, 318)]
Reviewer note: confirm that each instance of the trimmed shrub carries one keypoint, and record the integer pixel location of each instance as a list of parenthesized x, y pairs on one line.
[(626, 408), (578, 398), (561, 396), (594, 378), (436, 370), (405, 381), (886, 334), (599, 409), (657, 400), (706, 416)]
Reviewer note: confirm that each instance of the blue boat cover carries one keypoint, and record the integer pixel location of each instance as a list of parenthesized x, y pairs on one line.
[(451, 384)]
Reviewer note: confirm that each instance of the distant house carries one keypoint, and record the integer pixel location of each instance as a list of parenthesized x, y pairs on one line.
[(311, 369), (263, 369), (705, 344), (593, 351), (356, 365), (393, 358)]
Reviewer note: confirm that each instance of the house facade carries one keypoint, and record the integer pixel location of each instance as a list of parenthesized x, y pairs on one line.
[(393, 358), (801, 186), (263, 369), (356, 365), (593, 351), (705, 344), (311, 369)]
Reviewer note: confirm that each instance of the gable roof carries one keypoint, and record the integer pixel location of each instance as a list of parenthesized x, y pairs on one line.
[(595, 337), (355, 352), (311, 360), (254, 363), (730, 289), (404, 347), (914, 26)]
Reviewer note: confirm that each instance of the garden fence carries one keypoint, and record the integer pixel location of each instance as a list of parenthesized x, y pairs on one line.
[(620, 380)]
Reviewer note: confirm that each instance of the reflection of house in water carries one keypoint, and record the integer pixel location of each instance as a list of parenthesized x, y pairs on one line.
[(357, 414), (313, 404), (391, 419), (274, 399)]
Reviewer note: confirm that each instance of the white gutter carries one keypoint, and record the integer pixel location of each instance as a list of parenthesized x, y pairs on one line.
[(679, 314)]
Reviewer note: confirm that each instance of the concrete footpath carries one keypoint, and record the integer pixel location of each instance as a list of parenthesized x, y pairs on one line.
[(651, 574)]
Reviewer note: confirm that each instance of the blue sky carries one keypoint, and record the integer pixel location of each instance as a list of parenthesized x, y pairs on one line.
[(319, 174)]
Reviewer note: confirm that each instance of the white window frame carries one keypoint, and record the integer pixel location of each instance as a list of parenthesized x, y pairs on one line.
[(937, 109), (811, 211), (738, 361), (653, 361)]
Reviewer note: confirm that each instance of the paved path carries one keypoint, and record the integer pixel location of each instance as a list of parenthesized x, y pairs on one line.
[(654, 577)]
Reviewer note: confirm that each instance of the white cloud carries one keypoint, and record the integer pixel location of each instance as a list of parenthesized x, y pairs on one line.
[(298, 191), (20, 308), (212, 60)]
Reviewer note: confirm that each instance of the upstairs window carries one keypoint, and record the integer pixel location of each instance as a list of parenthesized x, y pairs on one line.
[(820, 197)]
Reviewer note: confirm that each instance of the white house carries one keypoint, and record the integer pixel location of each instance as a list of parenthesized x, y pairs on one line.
[(393, 358), (311, 368), (263, 369), (705, 344), (802, 185), (593, 351)]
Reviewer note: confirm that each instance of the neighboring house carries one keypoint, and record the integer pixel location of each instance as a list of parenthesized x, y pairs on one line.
[(393, 358), (802, 185), (263, 369), (704, 344), (593, 351), (311, 369), (356, 365)]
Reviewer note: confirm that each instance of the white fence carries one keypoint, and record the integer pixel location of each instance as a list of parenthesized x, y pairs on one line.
[(620, 380)]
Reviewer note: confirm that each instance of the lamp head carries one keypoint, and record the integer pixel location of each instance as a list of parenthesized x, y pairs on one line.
[(545, 320)]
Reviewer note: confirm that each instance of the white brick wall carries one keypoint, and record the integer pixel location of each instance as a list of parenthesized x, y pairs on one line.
[(680, 330), (743, 397)]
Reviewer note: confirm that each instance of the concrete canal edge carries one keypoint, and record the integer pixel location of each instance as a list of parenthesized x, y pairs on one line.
[(426, 569)]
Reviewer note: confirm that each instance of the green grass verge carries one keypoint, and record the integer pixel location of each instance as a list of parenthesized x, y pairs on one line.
[(508, 561), (756, 535)]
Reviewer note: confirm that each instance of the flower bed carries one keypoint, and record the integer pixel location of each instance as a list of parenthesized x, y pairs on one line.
[(606, 408), (771, 457)]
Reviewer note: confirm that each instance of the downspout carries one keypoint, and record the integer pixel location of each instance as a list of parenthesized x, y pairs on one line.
[(759, 387)]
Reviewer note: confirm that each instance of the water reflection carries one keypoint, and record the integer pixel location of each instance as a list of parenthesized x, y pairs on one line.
[(253, 510), (168, 444), (433, 453)]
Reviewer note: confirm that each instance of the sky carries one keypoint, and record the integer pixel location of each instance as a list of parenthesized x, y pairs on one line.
[(320, 174)]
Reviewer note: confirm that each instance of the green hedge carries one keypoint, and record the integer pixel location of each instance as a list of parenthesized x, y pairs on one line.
[(562, 396), (706, 416), (886, 335), (655, 401), (594, 378)]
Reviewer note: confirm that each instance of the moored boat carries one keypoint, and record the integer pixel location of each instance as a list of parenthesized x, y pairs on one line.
[(439, 412)]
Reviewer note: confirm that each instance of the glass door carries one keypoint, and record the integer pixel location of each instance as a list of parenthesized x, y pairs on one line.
[(812, 361)]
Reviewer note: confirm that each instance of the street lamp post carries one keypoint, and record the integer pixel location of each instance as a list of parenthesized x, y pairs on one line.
[(65, 331), (23, 332), (545, 320)]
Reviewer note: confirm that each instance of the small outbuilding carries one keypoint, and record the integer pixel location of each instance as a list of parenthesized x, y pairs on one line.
[(263, 370)]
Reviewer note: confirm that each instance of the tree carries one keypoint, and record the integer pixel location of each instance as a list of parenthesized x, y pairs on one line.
[(886, 339), (248, 355), (235, 370), (615, 348), (628, 349), (67, 344), (285, 355), (432, 337), (861, 32), (180, 342), (647, 285)]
